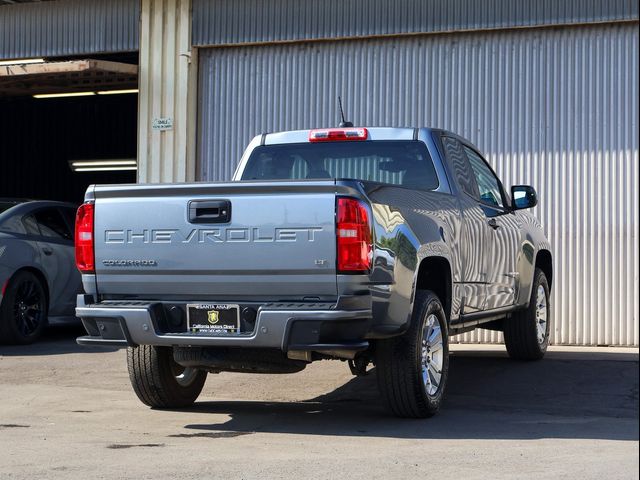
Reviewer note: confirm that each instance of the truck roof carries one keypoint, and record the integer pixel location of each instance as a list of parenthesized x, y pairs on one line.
[(375, 133)]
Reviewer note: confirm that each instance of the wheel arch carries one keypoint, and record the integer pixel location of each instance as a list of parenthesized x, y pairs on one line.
[(544, 262), (431, 273)]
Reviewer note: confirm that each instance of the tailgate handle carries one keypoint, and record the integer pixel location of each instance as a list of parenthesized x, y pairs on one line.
[(209, 211)]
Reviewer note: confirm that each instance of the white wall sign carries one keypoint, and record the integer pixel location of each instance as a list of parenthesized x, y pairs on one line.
[(162, 123)]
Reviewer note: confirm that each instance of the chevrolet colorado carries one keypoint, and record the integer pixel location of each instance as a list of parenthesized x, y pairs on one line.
[(371, 245)]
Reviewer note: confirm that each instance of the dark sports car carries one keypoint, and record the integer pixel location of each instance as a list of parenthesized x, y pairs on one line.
[(38, 277)]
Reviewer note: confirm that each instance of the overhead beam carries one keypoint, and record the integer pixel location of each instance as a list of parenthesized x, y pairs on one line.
[(64, 77), (72, 66)]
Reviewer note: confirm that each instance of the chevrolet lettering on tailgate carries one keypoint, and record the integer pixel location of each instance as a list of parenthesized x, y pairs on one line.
[(216, 235)]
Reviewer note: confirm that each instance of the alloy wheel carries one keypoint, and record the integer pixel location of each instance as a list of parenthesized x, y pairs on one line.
[(28, 307), (541, 314), (432, 355)]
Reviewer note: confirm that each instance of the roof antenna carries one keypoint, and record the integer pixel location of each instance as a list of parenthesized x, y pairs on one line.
[(343, 123)]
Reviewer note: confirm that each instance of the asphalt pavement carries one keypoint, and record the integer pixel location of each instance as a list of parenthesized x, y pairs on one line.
[(69, 412)]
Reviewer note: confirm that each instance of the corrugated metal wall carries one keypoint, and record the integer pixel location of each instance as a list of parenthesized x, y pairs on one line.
[(557, 108), (68, 27), (218, 22)]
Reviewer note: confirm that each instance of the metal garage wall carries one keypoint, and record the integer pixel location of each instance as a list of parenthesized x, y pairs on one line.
[(556, 108), (68, 27), (219, 22)]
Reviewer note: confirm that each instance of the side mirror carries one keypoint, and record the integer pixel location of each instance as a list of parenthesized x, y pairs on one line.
[(523, 196)]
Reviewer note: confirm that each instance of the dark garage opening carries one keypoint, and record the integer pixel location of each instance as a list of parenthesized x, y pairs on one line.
[(38, 138)]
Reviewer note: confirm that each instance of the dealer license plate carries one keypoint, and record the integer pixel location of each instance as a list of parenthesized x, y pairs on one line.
[(213, 318)]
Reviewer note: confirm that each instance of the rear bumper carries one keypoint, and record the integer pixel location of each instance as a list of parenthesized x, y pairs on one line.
[(291, 327)]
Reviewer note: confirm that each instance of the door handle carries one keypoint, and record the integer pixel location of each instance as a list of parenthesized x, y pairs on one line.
[(47, 251), (493, 224), (210, 211)]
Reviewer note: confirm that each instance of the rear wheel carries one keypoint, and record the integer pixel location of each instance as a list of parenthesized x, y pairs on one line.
[(412, 369), (526, 334), (23, 313), (159, 381)]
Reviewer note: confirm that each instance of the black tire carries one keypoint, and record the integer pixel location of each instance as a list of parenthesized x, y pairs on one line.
[(23, 313), (521, 331), (399, 363), (155, 378)]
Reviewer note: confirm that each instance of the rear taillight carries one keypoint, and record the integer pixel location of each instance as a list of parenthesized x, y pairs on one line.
[(84, 238), (353, 231)]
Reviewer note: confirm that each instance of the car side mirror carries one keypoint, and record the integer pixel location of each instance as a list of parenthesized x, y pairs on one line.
[(523, 196)]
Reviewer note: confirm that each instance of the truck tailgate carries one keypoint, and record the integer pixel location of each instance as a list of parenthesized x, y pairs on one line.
[(277, 240)]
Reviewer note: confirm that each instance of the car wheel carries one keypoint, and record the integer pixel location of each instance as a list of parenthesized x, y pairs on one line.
[(412, 369), (526, 334), (23, 313), (159, 381)]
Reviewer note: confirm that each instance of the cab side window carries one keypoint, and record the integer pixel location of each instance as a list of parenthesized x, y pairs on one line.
[(52, 224), (461, 167), (31, 225), (14, 225), (488, 184)]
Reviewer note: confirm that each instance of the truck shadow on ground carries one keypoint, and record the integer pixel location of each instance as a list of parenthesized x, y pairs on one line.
[(489, 397), (57, 339)]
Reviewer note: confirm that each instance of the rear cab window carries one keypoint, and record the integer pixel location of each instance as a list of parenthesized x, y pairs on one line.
[(396, 162)]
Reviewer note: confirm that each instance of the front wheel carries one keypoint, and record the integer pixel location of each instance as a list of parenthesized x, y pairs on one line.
[(526, 334), (412, 369), (159, 381)]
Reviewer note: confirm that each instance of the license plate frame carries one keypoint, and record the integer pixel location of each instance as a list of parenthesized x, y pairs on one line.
[(217, 319)]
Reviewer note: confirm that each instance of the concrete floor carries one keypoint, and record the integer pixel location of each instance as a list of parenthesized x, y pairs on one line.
[(69, 412)]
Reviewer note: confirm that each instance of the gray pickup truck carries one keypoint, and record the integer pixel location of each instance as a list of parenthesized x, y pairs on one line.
[(370, 245)]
